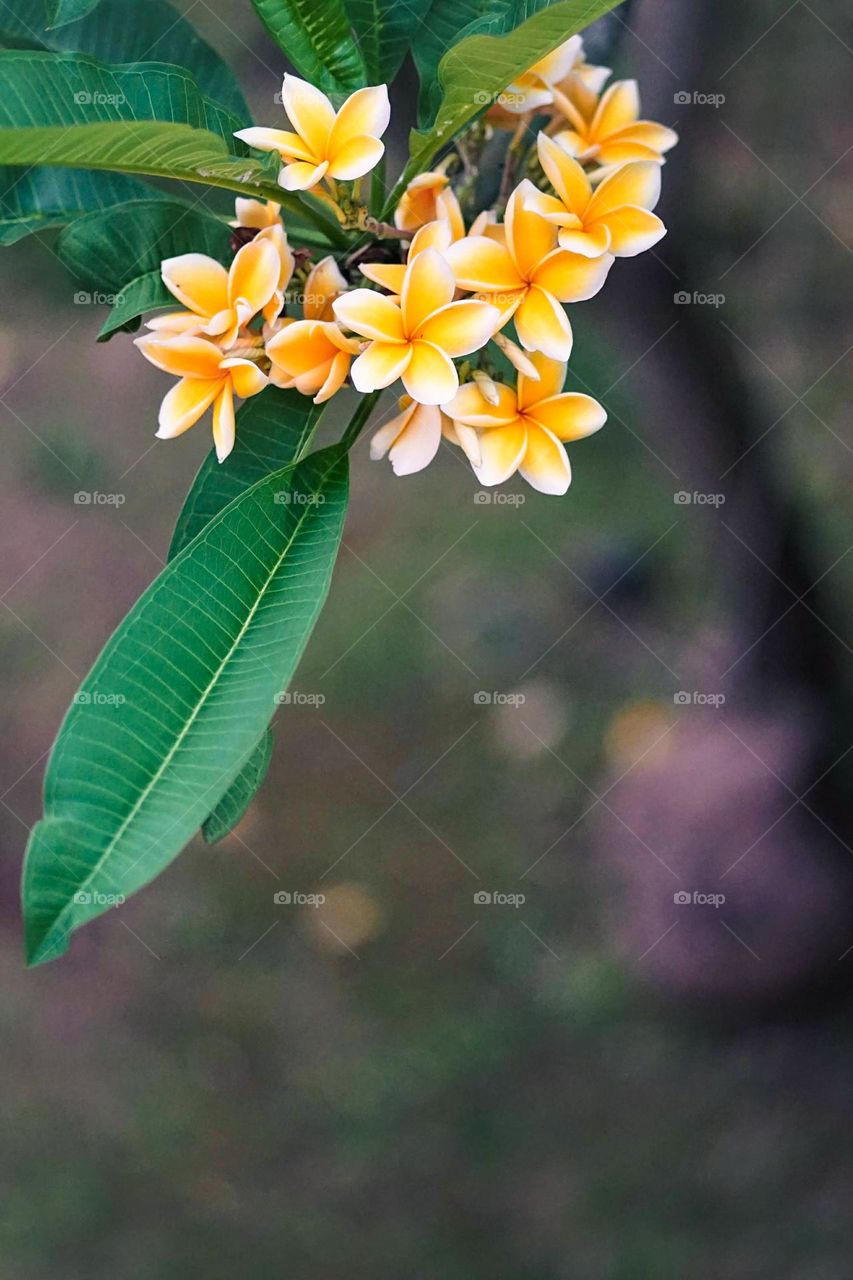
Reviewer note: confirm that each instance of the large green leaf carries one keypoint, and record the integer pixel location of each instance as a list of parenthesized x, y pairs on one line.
[(384, 29), (272, 431), (119, 31), (118, 252), (176, 704), (157, 150), (124, 31), (317, 38), (479, 67)]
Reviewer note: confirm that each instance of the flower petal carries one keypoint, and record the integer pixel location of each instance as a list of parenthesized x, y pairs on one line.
[(545, 464), (185, 403), (256, 213), (619, 106), (565, 175), (530, 237), (371, 314), (184, 355), (199, 282), (552, 375), (633, 230), (175, 322), (310, 112), (570, 277), (647, 133), (365, 113), (417, 444), (590, 242), (570, 416), (430, 377), (356, 157), (325, 282), (253, 277), (635, 184), (301, 176), (246, 377), (470, 407), (288, 145), (335, 378), (501, 451), (223, 422), (542, 325), (380, 365), (389, 275), (429, 284), (461, 327), (479, 262), (467, 439)]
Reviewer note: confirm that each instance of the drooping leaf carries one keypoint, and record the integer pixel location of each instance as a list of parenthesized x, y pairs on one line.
[(233, 805), (118, 252), (36, 198), (316, 37), (472, 72), (272, 430), (384, 29), (176, 704), (61, 12)]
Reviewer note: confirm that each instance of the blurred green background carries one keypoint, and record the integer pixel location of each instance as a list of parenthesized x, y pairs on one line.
[(594, 1084)]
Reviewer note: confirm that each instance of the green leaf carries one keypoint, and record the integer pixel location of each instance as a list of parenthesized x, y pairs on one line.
[(384, 29), (239, 796), (479, 67), (176, 704), (316, 37), (119, 252), (60, 12), (273, 429), (119, 31)]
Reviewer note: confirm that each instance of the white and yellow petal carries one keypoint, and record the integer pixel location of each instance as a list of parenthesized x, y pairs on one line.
[(480, 263), (224, 421), (380, 365), (289, 145), (461, 328), (185, 403), (430, 376), (199, 282), (310, 112), (366, 113), (428, 285), (302, 175), (571, 277), (545, 463), (501, 451), (371, 314), (542, 325)]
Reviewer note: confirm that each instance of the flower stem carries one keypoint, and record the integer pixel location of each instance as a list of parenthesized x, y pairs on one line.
[(359, 419)]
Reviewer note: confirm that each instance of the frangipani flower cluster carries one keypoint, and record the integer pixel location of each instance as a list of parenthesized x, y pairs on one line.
[(464, 307)]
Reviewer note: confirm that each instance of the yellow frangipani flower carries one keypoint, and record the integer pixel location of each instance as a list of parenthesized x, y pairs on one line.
[(526, 429), (343, 145), (312, 354), (208, 376), (429, 198), (390, 275), (535, 88), (416, 336), (256, 214), (520, 269), (610, 131), (410, 439), (613, 218), (220, 302)]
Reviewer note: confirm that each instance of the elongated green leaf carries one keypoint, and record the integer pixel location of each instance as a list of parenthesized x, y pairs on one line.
[(479, 67), (316, 37), (60, 12), (118, 31), (233, 805), (272, 430), (176, 704), (384, 29), (118, 252)]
